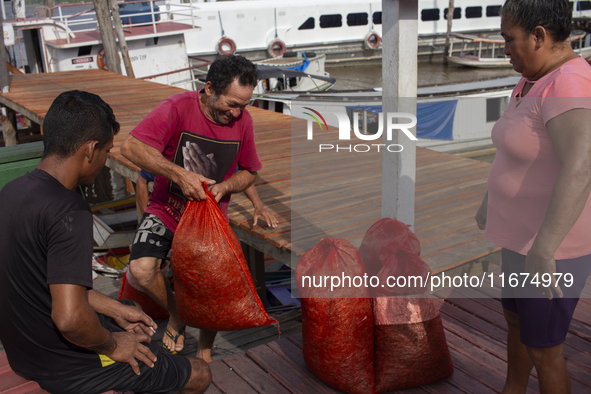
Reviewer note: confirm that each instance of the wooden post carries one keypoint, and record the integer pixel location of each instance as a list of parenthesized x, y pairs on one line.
[(4, 82), (450, 17), (121, 38), (103, 16), (9, 131), (399, 76)]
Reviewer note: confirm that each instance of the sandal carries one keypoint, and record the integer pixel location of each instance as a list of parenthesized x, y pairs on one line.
[(175, 338)]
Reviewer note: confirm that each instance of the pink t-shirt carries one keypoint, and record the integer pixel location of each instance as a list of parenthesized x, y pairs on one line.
[(178, 128), (526, 166)]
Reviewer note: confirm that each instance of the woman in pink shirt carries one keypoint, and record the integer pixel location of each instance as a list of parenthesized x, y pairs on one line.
[(536, 206)]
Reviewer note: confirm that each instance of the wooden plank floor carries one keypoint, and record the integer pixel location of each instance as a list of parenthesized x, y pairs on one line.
[(448, 188)]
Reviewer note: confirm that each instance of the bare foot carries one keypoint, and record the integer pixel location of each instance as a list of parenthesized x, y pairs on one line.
[(205, 356), (173, 328)]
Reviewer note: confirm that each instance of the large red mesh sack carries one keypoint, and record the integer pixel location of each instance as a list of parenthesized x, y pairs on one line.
[(410, 345), (338, 342), (214, 289), (130, 290)]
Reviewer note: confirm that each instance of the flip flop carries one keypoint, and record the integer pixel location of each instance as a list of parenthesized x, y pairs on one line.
[(175, 338)]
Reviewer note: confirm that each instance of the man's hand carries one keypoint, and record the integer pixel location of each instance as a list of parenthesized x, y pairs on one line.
[(219, 190), (260, 211), (540, 265), (133, 320), (190, 183), (129, 349)]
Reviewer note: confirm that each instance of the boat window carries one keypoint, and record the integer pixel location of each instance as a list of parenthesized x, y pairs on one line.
[(85, 50), (430, 14), (583, 5), (493, 10), (495, 108), (334, 20), (473, 12), (377, 18), (307, 25), (457, 13), (357, 19)]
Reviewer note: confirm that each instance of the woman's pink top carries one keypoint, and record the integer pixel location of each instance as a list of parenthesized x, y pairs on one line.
[(525, 167)]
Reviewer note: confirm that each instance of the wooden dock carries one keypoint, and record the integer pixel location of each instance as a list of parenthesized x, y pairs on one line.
[(474, 328)]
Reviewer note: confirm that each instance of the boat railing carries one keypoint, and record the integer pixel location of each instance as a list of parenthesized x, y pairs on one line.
[(496, 43), (78, 22)]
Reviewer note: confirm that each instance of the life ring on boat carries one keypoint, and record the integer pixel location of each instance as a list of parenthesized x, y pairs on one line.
[(100, 60), (276, 48), (372, 40), (226, 46)]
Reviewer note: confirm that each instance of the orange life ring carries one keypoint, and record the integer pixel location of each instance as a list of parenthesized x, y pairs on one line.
[(226, 46), (100, 60), (276, 48), (372, 40)]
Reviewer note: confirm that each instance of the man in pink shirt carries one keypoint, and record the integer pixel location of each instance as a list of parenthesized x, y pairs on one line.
[(190, 138)]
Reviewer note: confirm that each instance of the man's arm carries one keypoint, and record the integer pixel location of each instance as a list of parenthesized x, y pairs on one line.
[(152, 160), (78, 323), (130, 318), (238, 182)]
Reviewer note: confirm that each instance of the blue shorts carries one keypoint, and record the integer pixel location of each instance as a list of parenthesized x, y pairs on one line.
[(543, 322)]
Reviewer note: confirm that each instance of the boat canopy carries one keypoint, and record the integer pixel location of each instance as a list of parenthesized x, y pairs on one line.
[(266, 72)]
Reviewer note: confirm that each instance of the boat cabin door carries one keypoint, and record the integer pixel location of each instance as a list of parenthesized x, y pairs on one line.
[(33, 47)]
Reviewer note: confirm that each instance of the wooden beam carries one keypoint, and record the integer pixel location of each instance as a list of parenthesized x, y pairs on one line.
[(121, 38), (103, 16), (4, 81)]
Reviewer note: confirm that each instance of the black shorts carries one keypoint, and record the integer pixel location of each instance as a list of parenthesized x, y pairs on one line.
[(171, 372), (152, 238)]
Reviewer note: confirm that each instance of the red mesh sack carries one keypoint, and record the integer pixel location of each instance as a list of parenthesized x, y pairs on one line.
[(214, 289), (382, 231), (410, 345), (130, 290), (338, 342)]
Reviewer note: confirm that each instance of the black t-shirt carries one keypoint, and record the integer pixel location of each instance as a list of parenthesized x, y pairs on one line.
[(45, 238)]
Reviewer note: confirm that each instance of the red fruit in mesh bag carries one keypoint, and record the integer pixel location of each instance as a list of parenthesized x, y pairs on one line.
[(130, 290), (337, 332), (410, 344), (214, 289)]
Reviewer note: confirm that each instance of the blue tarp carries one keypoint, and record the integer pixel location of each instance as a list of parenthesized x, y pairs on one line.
[(434, 120), (302, 67)]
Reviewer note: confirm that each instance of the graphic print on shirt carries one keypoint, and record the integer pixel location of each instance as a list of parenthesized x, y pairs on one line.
[(205, 156)]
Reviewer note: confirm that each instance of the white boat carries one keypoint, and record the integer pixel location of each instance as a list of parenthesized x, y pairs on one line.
[(451, 117), (487, 51)]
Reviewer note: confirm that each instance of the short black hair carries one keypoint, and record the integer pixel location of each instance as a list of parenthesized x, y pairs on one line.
[(226, 69), (553, 15), (74, 118)]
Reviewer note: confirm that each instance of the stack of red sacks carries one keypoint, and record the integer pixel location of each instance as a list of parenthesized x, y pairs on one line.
[(408, 346)]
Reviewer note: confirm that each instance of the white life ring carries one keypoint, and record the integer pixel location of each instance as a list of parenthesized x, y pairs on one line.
[(226, 46), (372, 40), (276, 48)]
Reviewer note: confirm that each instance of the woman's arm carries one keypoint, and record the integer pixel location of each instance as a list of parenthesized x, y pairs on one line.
[(571, 137)]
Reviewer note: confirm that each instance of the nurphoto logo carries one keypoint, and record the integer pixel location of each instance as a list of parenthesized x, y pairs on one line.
[(345, 131)]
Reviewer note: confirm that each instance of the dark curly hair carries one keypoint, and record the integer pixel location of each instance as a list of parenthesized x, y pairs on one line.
[(553, 15), (225, 70), (74, 118)]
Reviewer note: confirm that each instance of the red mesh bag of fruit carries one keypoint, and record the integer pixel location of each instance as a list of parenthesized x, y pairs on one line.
[(337, 321), (130, 290), (410, 345), (214, 289)]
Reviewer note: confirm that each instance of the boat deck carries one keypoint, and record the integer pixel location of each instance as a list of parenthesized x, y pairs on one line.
[(448, 188)]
